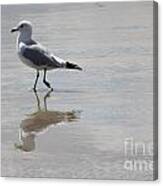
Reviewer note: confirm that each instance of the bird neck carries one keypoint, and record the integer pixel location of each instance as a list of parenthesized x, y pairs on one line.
[(24, 37)]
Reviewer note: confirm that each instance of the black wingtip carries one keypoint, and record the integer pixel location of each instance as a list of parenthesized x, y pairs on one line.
[(73, 66), (79, 68)]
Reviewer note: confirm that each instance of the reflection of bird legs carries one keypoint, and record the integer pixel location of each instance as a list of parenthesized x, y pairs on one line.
[(38, 100), (40, 121), (45, 98)]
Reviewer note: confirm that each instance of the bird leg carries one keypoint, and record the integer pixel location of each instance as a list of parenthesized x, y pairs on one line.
[(45, 82), (36, 80)]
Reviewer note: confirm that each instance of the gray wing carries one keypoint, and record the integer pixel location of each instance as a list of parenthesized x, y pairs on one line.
[(40, 57)]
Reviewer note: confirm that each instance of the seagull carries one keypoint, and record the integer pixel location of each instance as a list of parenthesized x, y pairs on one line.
[(36, 56)]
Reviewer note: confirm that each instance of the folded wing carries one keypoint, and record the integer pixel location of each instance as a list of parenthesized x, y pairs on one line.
[(41, 57)]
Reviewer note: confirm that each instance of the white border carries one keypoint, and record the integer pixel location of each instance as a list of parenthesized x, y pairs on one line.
[(70, 182), (56, 1)]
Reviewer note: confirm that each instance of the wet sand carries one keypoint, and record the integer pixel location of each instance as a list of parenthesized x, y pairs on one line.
[(79, 129)]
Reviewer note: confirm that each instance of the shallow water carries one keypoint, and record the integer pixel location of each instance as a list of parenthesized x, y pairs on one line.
[(79, 130)]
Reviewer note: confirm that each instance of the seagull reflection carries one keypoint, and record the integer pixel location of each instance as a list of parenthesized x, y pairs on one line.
[(40, 121)]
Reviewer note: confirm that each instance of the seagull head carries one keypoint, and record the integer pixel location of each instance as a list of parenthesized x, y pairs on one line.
[(23, 27)]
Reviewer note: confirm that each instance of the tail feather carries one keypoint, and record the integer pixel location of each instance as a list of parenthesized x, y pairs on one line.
[(72, 66)]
